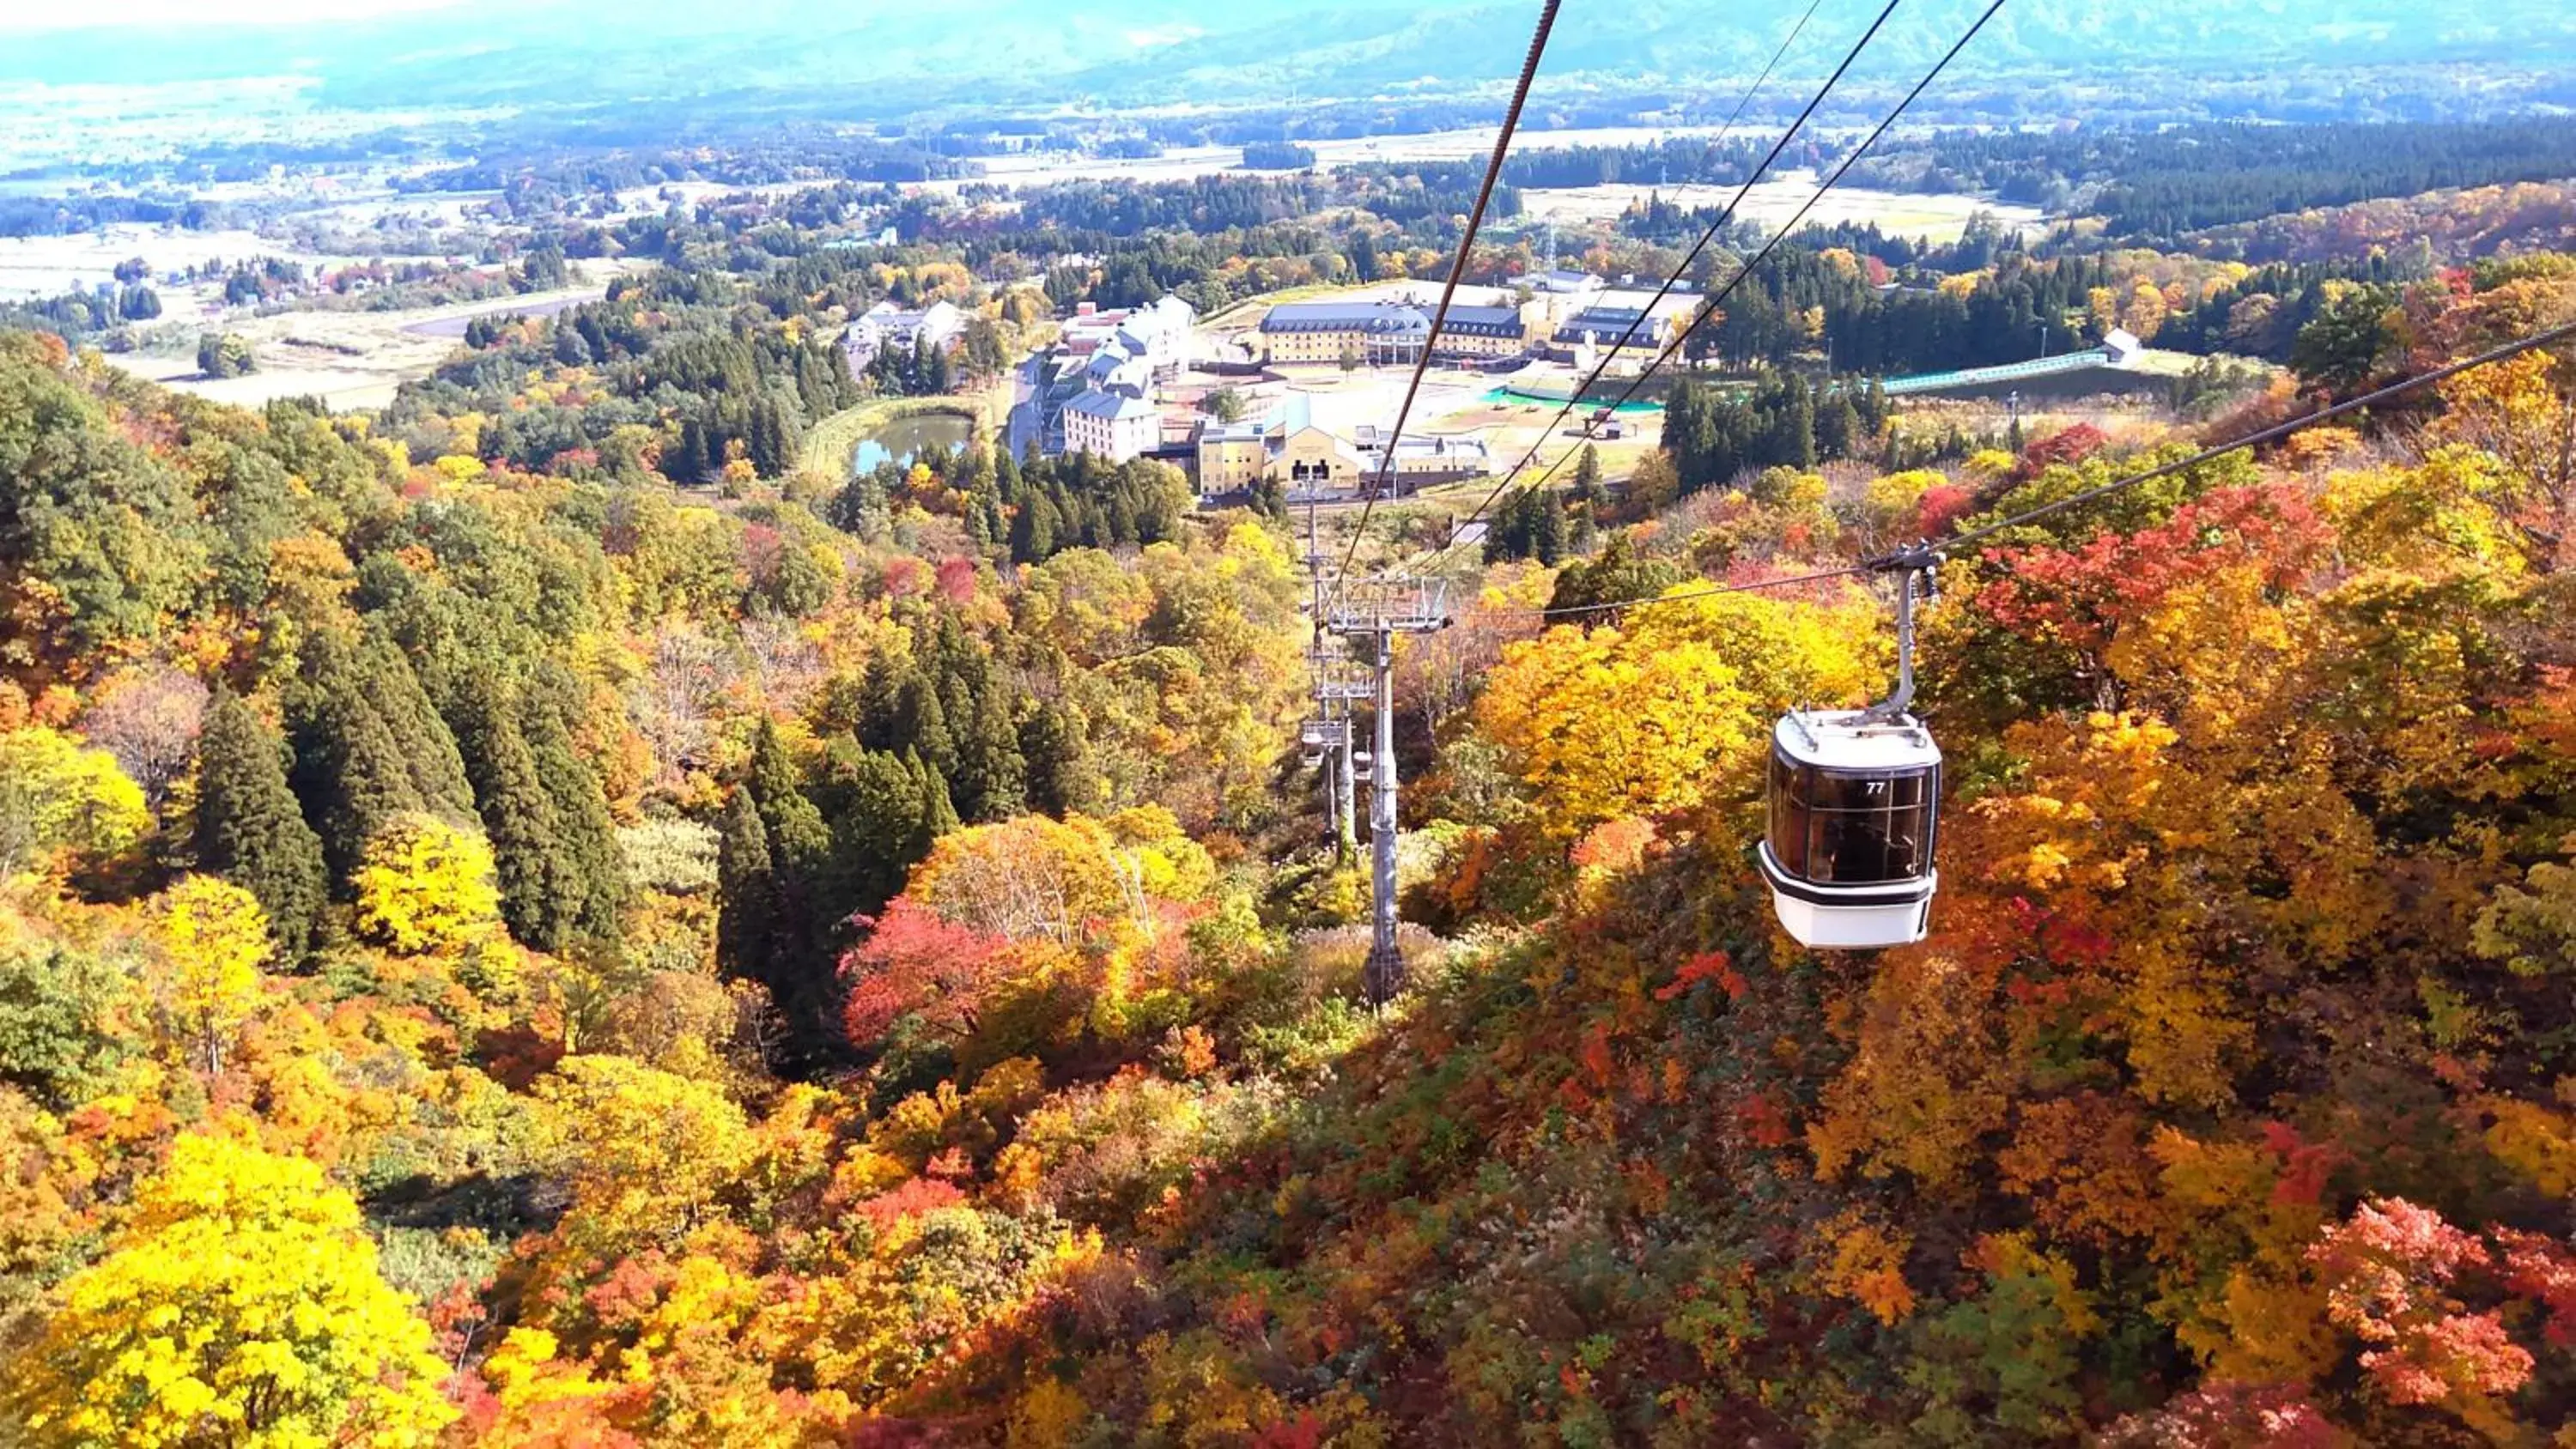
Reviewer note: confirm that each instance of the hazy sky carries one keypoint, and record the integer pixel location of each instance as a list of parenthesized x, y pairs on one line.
[(23, 15)]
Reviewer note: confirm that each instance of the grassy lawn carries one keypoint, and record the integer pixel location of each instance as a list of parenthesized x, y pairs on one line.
[(2160, 362), (830, 442)]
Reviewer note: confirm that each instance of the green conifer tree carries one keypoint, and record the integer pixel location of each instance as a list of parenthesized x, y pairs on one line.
[(588, 833), (428, 748), (349, 771), (540, 896), (938, 815), (798, 841), (746, 891), (250, 830), (1547, 527), (876, 828), (1062, 777), (1033, 533)]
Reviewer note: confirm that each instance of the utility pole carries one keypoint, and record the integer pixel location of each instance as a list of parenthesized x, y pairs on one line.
[(1370, 620)]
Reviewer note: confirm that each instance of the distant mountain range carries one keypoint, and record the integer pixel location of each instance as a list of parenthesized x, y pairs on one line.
[(885, 59)]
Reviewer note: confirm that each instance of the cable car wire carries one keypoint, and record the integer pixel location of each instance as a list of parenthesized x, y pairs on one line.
[(1682, 268), (1910, 557), (1569, 610), (1709, 307), (1457, 270)]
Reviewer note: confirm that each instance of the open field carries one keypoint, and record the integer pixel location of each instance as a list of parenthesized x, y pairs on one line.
[(348, 359), (452, 321), (1934, 217), (1184, 163), (48, 266)]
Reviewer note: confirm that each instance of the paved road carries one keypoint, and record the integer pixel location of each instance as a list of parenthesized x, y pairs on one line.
[(1024, 406)]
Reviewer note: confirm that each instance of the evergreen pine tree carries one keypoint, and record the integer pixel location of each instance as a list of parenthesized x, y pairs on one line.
[(746, 892), (1547, 534), (250, 830), (938, 816), (798, 841), (992, 774), (539, 896), (349, 771), (1055, 743), (876, 827), (587, 832), (1837, 425), (1587, 472), (428, 747), (1590, 500), (1033, 533), (922, 723)]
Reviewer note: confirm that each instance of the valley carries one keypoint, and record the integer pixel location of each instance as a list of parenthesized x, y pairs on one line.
[(1049, 728)]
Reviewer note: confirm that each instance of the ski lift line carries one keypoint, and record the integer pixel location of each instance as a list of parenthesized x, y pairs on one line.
[(1682, 268), (2273, 433), (1914, 556), (1571, 610), (1724, 216), (1707, 308), (1457, 270)]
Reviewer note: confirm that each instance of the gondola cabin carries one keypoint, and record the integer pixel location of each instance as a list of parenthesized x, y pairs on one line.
[(1855, 800)]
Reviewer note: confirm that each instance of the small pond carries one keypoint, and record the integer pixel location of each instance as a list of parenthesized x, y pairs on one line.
[(903, 439)]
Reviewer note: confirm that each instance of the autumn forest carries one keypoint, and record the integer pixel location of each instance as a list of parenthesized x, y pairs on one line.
[(559, 911)]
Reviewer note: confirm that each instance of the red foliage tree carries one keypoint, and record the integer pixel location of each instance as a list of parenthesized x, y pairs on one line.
[(1940, 509), (2387, 1273), (2084, 595), (914, 962), (2072, 445)]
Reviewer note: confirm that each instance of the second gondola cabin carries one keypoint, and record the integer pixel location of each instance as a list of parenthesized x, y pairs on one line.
[(1854, 816)]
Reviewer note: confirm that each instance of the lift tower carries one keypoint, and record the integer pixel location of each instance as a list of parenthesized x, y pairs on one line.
[(1369, 616), (1339, 683)]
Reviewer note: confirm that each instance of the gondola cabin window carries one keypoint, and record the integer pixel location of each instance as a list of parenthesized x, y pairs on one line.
[(1838, 825)]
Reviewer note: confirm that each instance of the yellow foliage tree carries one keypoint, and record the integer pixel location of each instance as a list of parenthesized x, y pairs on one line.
[(57, 795), (239, 1306), (2522, 411), (215, 938), (645, 1151), (426, 887), (1598, 727), (1671, 711)]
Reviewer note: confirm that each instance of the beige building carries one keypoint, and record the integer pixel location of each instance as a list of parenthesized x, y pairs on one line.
[(1371, 332), (1287, 449), (1424, 458), (1394, 331), (1312, 458), (1502, 330), (1231, 456)]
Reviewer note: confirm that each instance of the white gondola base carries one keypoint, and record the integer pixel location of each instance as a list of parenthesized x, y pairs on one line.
[(1849, 918)]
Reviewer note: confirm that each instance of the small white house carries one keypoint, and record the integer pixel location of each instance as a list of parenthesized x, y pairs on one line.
[(885, 325)]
